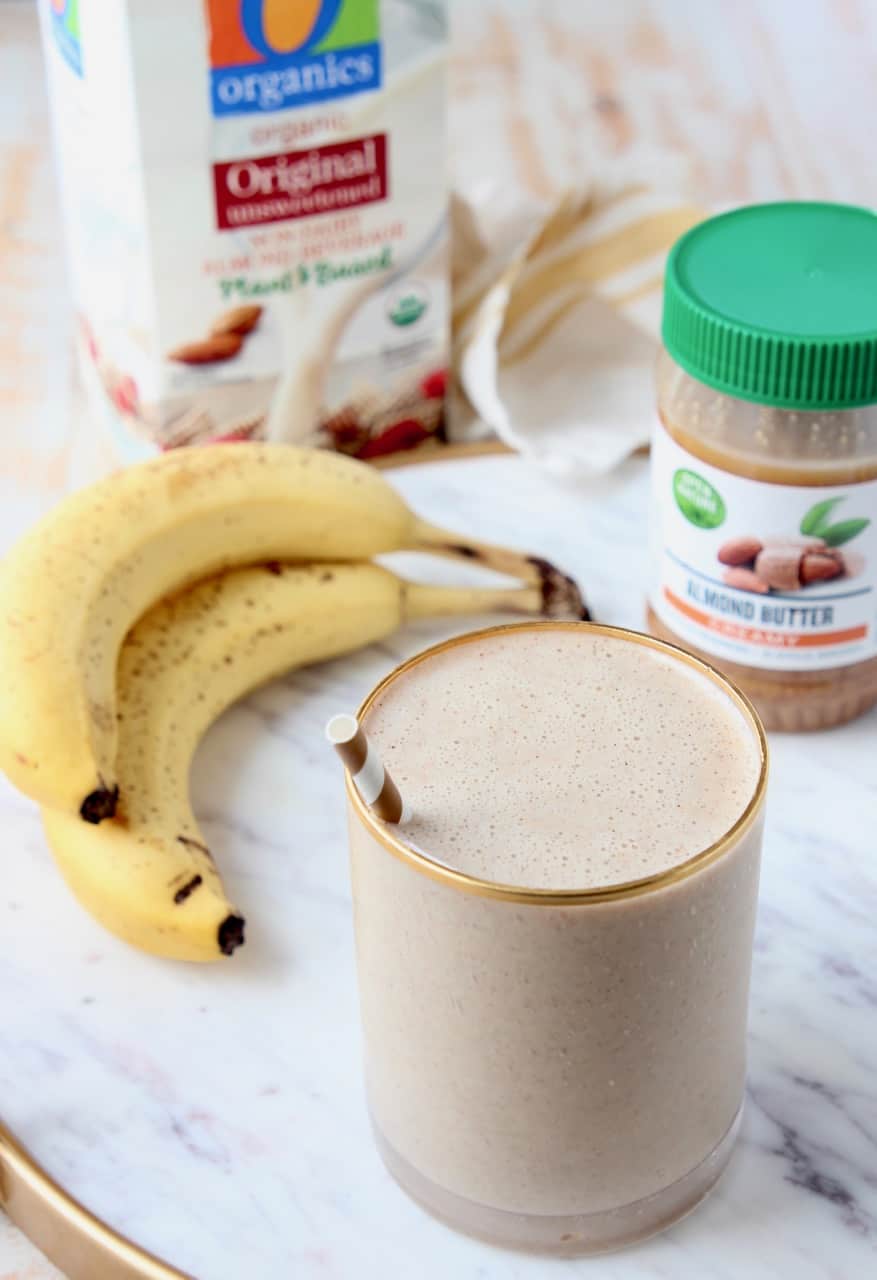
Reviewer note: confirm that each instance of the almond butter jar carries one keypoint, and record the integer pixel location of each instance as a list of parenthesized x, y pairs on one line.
[(764, 458)]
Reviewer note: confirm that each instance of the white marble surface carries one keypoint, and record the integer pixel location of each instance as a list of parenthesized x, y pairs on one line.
[(217, 1115)]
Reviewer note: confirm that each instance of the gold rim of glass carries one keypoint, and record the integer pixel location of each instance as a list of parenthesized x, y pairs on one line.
[(466, 883)]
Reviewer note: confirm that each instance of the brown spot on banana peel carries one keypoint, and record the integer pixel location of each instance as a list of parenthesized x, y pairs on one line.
[(188, 888), (189, 843), (103, 716)]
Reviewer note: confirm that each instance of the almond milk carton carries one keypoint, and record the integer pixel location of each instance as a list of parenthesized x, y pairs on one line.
[(255, 204)]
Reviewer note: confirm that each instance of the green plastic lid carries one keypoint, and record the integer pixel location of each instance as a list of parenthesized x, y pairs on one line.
[(778, 303)]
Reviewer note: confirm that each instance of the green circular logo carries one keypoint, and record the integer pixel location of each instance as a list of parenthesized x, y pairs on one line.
[(699, 502)]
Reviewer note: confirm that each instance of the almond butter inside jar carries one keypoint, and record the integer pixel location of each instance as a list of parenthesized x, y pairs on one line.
[(764, 459)]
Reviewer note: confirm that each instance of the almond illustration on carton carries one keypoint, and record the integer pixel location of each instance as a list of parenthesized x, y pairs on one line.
[(219, 346), (240, 320), (225, 339)]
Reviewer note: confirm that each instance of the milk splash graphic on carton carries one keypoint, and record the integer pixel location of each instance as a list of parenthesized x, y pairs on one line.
[(255, 206)]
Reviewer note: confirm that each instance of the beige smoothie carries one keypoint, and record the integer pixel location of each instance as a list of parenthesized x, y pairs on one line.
[(554, 952)]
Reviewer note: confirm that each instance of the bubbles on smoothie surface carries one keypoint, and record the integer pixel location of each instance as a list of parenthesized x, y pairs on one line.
[(565, 759)]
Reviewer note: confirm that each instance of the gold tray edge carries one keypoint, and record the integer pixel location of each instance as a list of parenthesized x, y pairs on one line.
[(434, 451), (77, 1242)]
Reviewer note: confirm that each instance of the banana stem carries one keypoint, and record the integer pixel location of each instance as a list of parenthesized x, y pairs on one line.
[(443, 542), (559, 593), (424, 601)]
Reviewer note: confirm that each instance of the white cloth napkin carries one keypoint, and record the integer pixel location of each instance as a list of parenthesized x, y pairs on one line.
[(556, 319)]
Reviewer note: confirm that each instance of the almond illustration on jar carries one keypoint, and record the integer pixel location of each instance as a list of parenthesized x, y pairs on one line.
[(738, 551), (744, 580), (791, 563), (778, 564), (821, 566)]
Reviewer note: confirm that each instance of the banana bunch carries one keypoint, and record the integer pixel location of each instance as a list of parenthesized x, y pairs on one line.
[(142, 607)]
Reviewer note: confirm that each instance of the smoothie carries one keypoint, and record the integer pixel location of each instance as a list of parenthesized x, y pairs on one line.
[(554, 953)]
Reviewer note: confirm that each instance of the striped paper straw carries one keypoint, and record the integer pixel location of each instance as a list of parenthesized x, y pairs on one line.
[(370, 778)]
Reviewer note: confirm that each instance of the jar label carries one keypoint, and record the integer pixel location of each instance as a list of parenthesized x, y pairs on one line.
[(768, 575)]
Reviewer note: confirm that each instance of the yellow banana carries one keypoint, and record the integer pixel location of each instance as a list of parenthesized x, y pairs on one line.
[(147, 874), (72, 588)]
